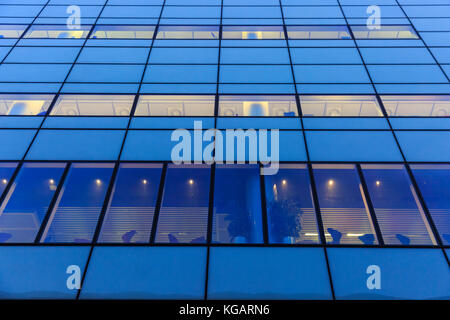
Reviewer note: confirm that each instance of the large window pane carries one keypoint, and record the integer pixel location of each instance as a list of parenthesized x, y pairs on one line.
[(252, 32), (175, 106), (237, 204), (345, 214), (129, 217), (123, 32), (318, 32), (6, 171), (384, 32), (57, 32), (24, 104), (412, 106), (83, 105), (257, 106), (290, 211), (434, 184), (183, 217), (397, 207), (79, 204), (340, 106), (27, 201), (188, 32)]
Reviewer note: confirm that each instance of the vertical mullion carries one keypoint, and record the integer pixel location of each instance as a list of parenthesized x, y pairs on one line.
[(263, 206), (158, 203), (11, 181), (373, 216), (53, 202), (210, 225)]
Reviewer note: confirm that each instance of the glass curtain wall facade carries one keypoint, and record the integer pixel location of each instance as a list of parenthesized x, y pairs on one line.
[(87, 185)]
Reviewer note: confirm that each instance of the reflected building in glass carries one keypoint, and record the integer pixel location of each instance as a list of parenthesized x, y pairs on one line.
[(87, 122)]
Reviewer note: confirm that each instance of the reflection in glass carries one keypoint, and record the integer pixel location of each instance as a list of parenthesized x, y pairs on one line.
[(57, 32), (27, 201), (345, 214), (6, 171), (340, 106), (257, 106), (123, 32), (175, 106), (92, 105), (290, 211), (11, 31), (183, 217), (318, 32), (74, 217), (129, 217), (434, 184), (237, 205), (397, 207), (417, 106), (188, 32), (24, 104), (384, 32), (253, 32)]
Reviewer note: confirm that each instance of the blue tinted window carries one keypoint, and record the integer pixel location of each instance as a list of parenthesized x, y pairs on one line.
[(79, 204), (146, 273), (404, 273), (129, 217), (183, 217), (290, 212), (27, 202), (397, 207), (6, 171), (433, 182), (268, 273), (346, 217), (237, 204)]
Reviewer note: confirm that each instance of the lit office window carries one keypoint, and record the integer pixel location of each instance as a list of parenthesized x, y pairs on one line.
[(57, 32), (188, 32), (24, 104), (237, 205), (434, 184), (318, 32), (384, 32), (175, 106), (290, 211), (74, 217), (421, 106), (129, 217), (183, 217), (93, 105), (123, 32), (343, 206), (253, 32), (6, 171), (399, 213), (257, 106), (27, 201), (340, 106), (11, 31)]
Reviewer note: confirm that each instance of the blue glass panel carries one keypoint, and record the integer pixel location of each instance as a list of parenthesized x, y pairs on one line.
[(399, 214), (290, 211), (237, 204), (39, 272), (183, 217), (80, 201), (425, 145), (129, 217), (268, 273), (27, 201), (403, 273), (6, 171), (146, 273), (434, 184), (345, 215), (14, 143)]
